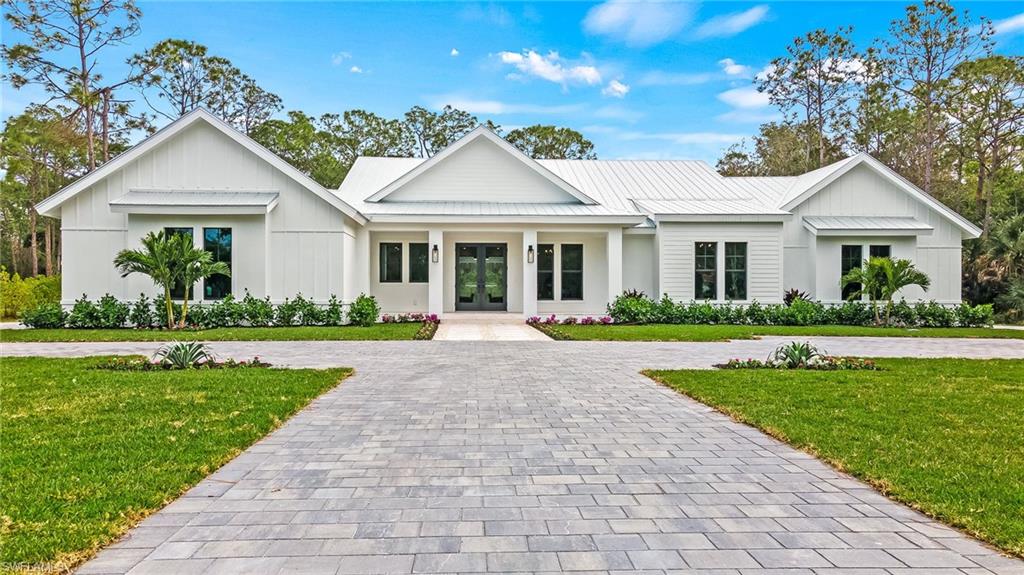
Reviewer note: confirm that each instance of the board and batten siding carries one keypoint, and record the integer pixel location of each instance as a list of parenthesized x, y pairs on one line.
[(297, 248), (676, 250), (812, 264), (481, 172)]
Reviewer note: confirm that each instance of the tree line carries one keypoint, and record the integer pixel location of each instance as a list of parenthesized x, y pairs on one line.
[(88, 118), (933, 101)]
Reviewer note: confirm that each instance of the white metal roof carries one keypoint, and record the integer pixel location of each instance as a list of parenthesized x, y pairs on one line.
[(852, 225), (195, 201)]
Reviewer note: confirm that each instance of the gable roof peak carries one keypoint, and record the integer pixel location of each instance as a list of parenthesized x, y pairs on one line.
[(482, 131), (50, 205)]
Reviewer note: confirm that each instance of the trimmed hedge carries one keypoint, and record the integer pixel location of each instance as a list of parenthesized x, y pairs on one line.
[(633, 308), (145, 313)]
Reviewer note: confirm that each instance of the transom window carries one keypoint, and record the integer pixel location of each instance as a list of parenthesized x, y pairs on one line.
[(546, 272), (217, 241), (852, 257), (572, 271), (735, 270), (390, 262), (705, 279), (419, 263)]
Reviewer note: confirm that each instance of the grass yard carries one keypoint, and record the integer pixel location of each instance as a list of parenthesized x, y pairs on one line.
[(381, 331), (87, 453), (942, 435), (673, 332)]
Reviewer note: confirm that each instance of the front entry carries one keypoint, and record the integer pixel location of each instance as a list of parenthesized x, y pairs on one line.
[(481, 272)]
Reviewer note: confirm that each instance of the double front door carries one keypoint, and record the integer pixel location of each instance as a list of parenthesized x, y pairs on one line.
[(481, 272)]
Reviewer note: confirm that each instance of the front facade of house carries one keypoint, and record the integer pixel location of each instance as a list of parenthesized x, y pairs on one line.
[(482, 227)]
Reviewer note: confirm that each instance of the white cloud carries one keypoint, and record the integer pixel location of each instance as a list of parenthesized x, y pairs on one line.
[(659, 78), (708, 138), (727, 25), (730, 67), (617, 112), (454, 52), (749, 116), (496, 107), (747, 98), (615, 89), (356, 70), (1011, 25), (338, 57), (493, 14), (551, 68), (638, 23)]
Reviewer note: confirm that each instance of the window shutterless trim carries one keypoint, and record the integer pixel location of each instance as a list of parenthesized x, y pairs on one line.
[(570, 272), (545, 270), (383, 269), (420, 276)]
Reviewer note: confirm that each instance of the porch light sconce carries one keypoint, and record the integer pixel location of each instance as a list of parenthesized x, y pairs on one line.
[(529, 255), (435, 256)]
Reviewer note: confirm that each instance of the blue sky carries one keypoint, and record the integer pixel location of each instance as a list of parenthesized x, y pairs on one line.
[(670, 80)]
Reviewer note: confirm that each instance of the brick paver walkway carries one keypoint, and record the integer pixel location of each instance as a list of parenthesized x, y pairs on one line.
[(463, 457)]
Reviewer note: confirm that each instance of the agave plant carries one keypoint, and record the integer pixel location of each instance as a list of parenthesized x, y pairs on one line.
[(183, 355), (795, 355)]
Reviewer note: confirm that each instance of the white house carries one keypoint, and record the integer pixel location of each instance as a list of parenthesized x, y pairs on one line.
[(481, 226)]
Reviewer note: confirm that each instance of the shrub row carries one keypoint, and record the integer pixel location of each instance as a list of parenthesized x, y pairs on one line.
[(632, 308), (145, 313), (18, 294)]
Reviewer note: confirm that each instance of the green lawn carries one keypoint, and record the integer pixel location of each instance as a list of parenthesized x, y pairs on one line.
[(381, 331), (943, 435), (87, 452), (672, 332)]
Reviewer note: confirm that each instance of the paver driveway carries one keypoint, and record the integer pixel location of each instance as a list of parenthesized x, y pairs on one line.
[(521, 456)]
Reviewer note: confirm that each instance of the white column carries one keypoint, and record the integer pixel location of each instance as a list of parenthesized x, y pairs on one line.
[(435, 287), (614, 249), (530, 273)]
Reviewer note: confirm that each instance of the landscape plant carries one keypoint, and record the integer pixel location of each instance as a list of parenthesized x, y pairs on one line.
[(881, 278), (364, 311), (155, 259)]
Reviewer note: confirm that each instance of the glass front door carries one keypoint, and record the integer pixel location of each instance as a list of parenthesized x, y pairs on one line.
[(481, 277)]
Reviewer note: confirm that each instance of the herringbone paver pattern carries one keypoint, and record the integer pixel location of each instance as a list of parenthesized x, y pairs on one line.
[(448, 457)]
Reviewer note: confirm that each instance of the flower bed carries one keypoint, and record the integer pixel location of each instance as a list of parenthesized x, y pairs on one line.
[(796, 355)]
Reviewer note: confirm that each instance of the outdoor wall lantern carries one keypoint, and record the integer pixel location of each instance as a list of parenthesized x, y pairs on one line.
[(529, 255), (435, 256)]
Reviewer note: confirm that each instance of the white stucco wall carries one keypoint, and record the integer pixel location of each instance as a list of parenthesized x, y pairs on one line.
[(676, 242), (813, 264), (297, 248), (404, 297), (595, 274)]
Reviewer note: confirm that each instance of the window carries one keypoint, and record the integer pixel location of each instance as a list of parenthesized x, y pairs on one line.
[(852, 257), (390, 262), (735, 270), (705, 276), (880, 251), (217, 241), (178, 290), (419, 263), (572, 271), (546, 272)]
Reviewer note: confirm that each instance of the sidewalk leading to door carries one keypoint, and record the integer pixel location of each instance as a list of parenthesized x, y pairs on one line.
[(486, 327)]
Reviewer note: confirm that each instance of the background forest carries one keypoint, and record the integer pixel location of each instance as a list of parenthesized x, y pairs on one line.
[(930, 99)]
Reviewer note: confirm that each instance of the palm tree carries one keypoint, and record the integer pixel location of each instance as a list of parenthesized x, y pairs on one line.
[(192, 264), (881, 279), (156, 260), (1006, 246)]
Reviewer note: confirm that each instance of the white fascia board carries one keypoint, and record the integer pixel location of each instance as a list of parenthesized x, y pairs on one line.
[(768, 218), (867, 232), (191, 210), (970, 230), (482, 132), (49, 206), (507, 219)]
